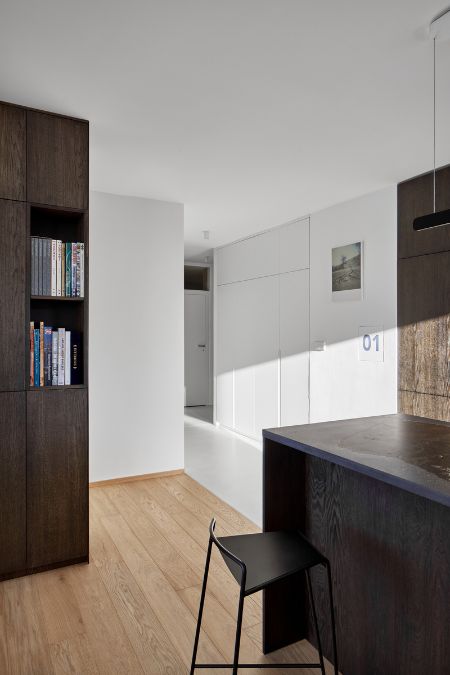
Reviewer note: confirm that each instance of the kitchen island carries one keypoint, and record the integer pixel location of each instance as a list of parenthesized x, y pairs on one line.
[(373, 494)]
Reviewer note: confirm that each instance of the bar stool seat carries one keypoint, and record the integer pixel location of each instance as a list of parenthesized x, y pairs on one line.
[(269, 556), (256, 561)]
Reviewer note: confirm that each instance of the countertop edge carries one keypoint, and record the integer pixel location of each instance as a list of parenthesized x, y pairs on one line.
[(377, 474)]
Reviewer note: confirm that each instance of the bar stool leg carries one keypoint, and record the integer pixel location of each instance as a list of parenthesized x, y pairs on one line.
[(333, 622), (238, 632), (316, 623), (200, 611)]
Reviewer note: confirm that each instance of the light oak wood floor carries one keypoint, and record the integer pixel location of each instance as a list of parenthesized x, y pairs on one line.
[(133, 608)]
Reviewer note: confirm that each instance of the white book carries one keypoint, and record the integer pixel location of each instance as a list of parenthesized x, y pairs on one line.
[(74, 269), (61, 355), (81, 254), (54, 358), (54, 246), (67, 359), (58, 268)]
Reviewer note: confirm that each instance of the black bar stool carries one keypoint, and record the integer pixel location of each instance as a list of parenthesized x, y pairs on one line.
[(256, 561)]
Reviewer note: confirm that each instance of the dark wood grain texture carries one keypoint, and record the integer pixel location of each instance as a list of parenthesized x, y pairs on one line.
[(13, 239), (57, 155), (13, 150), (415, 198), (57, 475), (390, 555), (12, 481), (424, 405), (423, 319)]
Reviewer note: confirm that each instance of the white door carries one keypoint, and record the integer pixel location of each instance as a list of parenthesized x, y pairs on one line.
[(196, 356)]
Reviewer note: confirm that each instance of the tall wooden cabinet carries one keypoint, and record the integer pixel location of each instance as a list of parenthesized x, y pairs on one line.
[(44, 192), (423, 294)]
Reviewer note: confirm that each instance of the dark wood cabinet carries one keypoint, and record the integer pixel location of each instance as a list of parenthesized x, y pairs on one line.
[(424, 405), (13, 228), (423, 319), (12, 482), (58, 167), (57, 476), (414, 199), (13, 151)]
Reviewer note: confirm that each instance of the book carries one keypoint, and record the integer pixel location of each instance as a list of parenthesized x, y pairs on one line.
[(53, 288), (39, 275), (67, 356), (61, 355), (33, 260), (76, 361), (47, 356), (58, 266), (63, 268), (48, 267), (36, 378), (32, 353), (74, 269), (41, 353), (68, 269), (54, 358), (81, 245)]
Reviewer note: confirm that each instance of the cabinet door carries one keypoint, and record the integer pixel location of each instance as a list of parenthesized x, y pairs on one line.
[(57, 476), (12, 295), (423, 320), (57, 160), (12, 152), (12, 482)]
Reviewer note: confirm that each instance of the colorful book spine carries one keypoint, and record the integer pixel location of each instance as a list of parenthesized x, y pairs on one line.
[(54, 266), (58, 267), (41, 353), (67, 355), (68, 269), (54, 358), (74, 269), (36, 358), (32, 353), (81, 270), (47, 356), (63, 268), (61, 355)]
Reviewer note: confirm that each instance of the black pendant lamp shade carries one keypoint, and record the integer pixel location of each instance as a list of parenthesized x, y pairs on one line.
[(432, 220)]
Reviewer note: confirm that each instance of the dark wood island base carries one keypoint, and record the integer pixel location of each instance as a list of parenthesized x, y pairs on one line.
[(373, 495)]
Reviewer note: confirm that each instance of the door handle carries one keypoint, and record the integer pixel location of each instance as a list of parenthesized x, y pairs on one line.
[(202, 346)]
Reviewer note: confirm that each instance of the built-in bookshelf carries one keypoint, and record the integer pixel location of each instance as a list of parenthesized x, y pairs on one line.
[(44, 195), (58, 263)]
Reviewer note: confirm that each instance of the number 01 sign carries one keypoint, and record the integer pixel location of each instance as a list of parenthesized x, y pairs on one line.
[(371, 343)]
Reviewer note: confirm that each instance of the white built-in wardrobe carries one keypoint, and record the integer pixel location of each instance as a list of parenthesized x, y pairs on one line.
[(262, 330)]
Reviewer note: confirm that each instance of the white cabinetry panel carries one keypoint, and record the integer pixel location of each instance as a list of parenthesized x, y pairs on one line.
[(294, 246), (248, 259)]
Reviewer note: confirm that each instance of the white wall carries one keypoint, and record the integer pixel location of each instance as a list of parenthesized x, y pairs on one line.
[(264, 305), (341, 385), (136, 336)]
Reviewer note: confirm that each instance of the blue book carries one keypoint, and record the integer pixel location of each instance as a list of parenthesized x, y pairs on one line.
[(68, 269), (47, 356), (37, 358)]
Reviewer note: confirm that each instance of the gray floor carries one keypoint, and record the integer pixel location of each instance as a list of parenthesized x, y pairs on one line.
[(227, 464)]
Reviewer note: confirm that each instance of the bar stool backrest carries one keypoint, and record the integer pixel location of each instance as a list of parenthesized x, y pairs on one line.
[(234, 561)]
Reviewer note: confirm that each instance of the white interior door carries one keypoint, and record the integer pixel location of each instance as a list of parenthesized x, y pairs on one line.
[(196, 345)]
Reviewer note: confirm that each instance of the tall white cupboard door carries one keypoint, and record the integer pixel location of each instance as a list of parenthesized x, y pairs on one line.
[(294, 348)]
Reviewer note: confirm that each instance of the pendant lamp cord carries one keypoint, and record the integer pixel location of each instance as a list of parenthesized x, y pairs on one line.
[(434, 124)]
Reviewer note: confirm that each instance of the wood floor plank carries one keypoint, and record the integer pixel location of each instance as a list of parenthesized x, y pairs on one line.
[(168, 607), (182, 539), (151, 643), (74, 656)]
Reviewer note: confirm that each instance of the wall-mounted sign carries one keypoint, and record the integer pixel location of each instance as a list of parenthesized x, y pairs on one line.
[(371, 343)]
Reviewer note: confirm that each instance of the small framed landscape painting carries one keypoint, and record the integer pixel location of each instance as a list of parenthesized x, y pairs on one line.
[(347, 272)]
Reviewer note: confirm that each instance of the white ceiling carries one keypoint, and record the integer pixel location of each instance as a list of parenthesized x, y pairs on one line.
[(250, 112)]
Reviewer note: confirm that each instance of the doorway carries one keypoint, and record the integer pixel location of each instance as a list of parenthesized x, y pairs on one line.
[(197, 348)]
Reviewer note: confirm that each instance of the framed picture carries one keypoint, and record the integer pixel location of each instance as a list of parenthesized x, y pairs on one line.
[(347, 272)]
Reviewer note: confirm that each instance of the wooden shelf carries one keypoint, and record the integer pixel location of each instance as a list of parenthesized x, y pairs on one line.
[(57, 298), (58, 386)]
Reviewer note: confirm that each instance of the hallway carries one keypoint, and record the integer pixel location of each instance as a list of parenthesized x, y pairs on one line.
[(228, 465)]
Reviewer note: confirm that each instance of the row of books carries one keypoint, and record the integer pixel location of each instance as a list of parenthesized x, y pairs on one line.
[(57, 268), (55, 356)]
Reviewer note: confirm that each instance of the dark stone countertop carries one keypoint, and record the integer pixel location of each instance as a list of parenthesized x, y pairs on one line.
[(412, 453)]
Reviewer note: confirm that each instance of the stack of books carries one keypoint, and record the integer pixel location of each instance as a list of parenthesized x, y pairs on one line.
[(55, 356), (57, 268)]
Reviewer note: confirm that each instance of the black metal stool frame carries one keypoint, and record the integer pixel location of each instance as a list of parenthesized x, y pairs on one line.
[(242, 594)]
